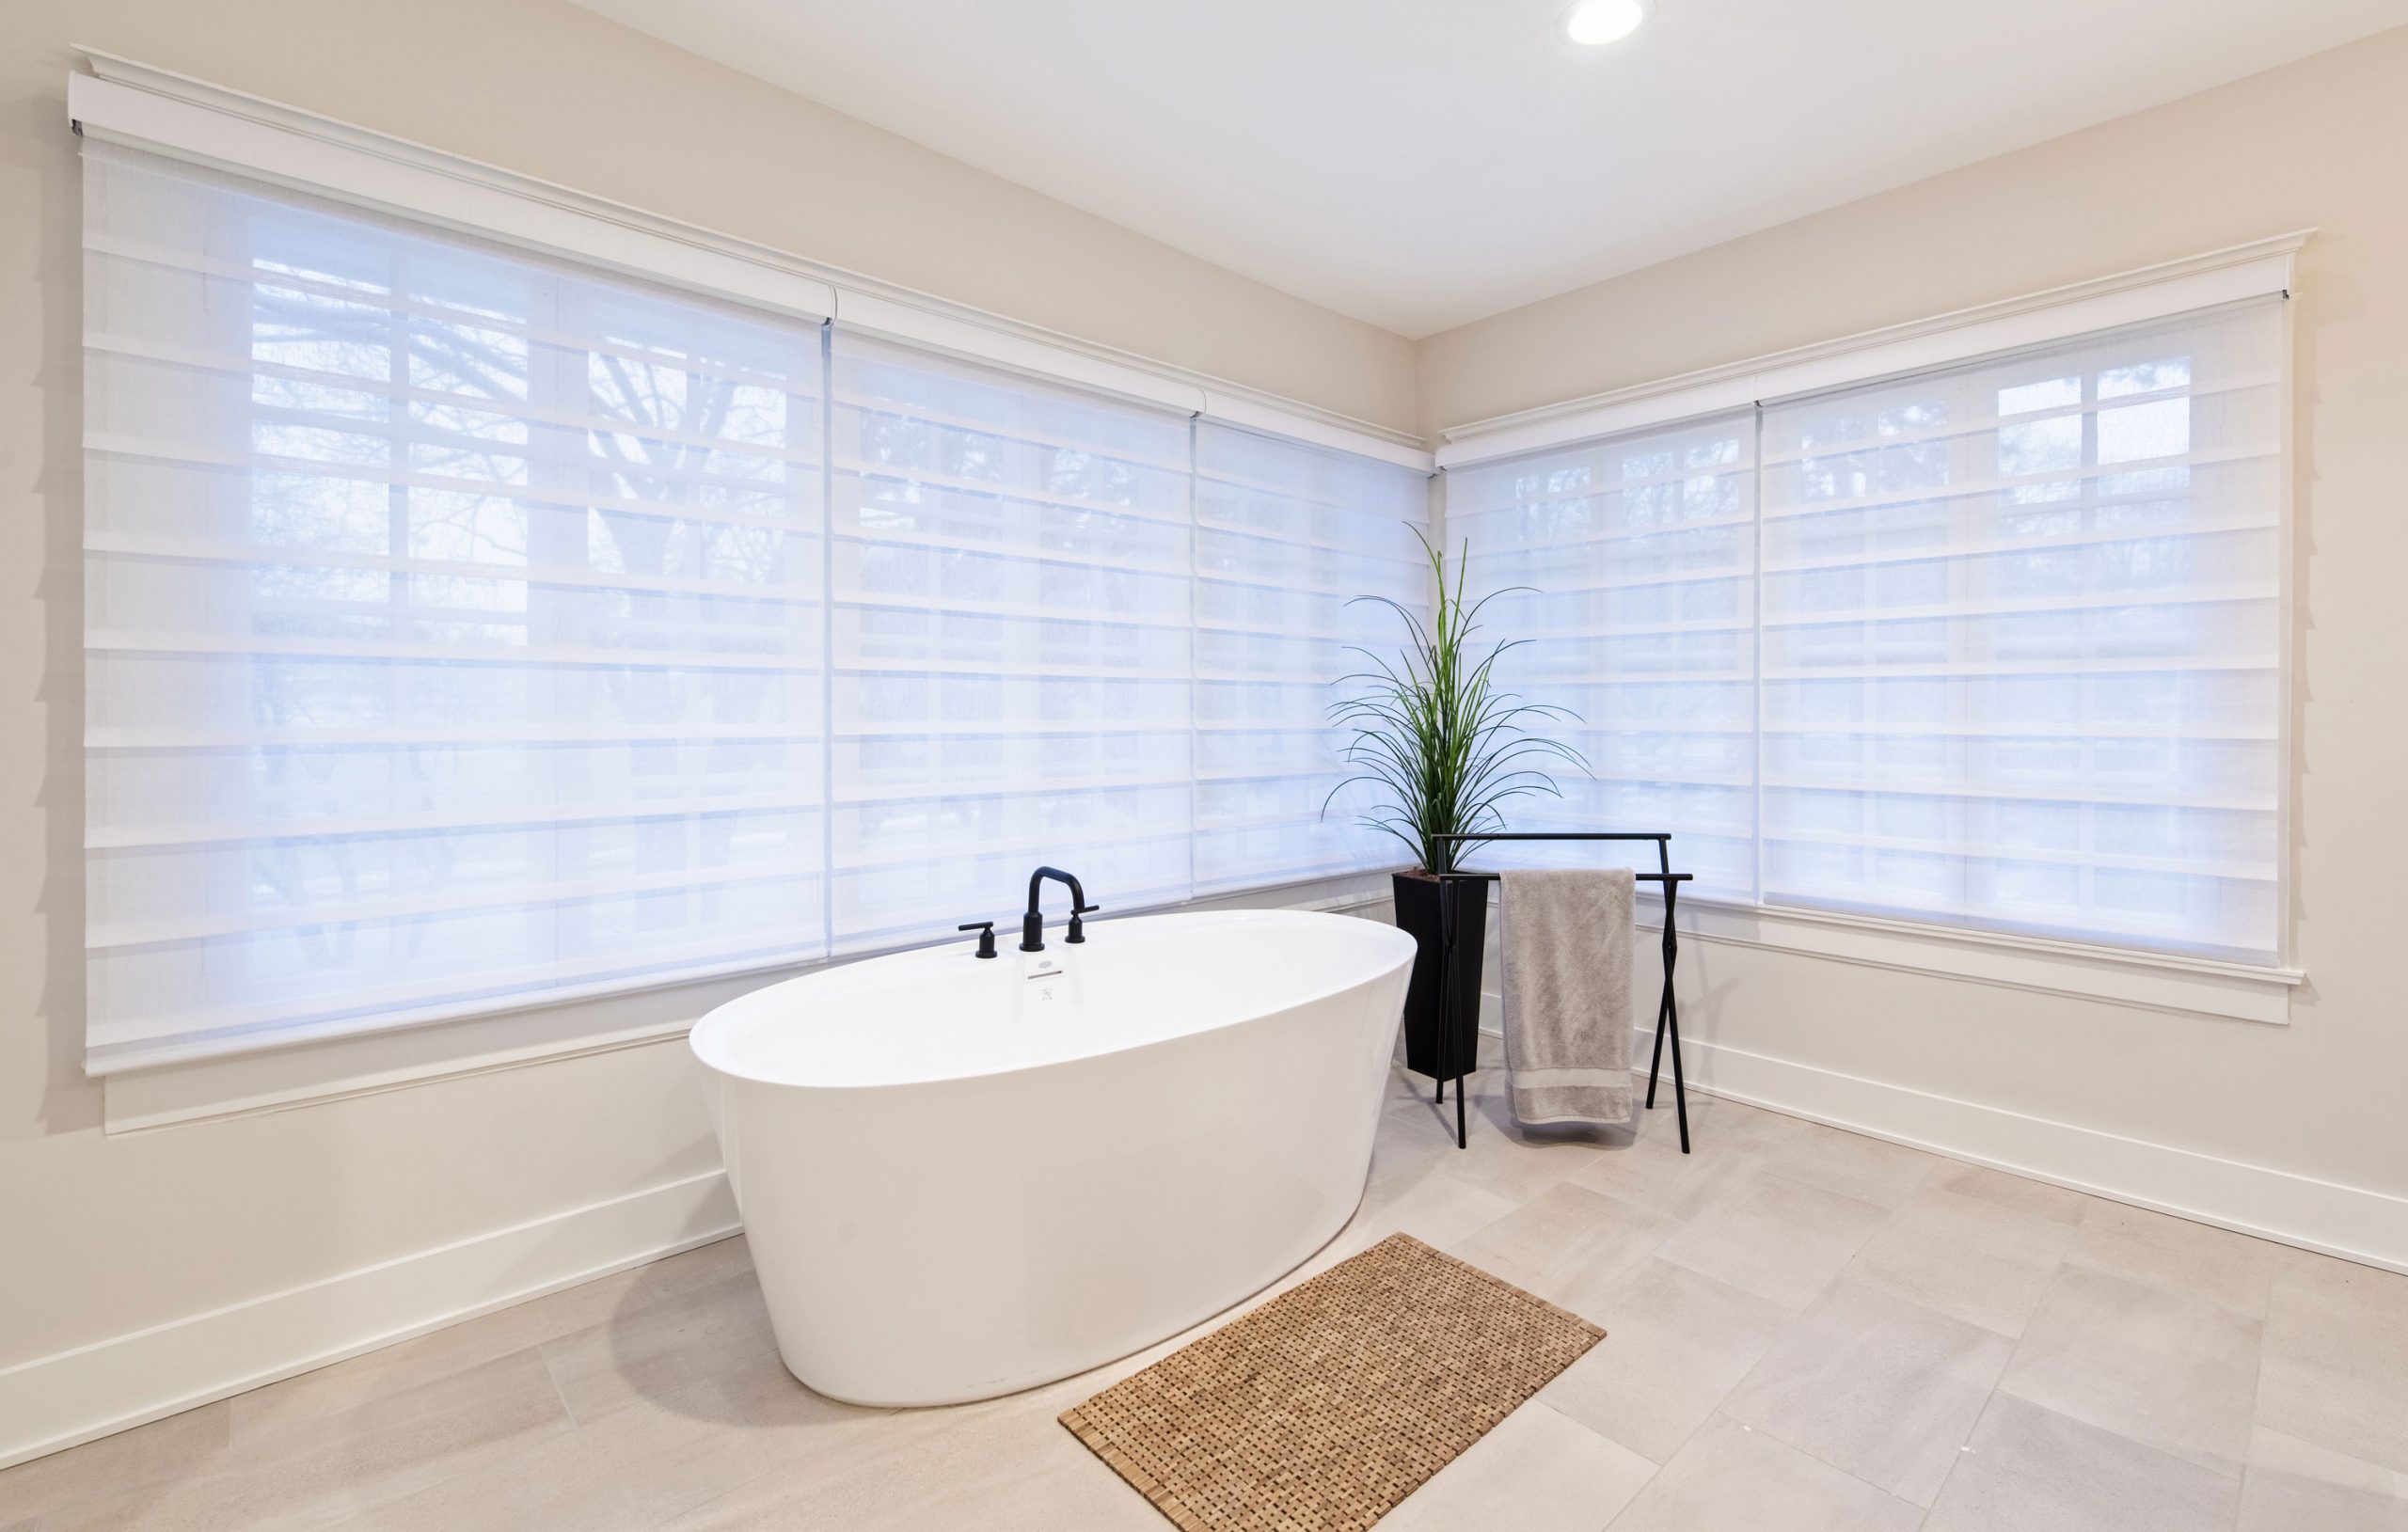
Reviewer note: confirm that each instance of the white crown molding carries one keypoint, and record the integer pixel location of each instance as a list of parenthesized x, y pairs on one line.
[(125, 101), (2256, 269), (167, 114), (981, 340), (1250, 415)]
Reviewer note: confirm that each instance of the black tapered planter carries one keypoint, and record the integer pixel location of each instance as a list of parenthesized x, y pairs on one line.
[(1417, 910)]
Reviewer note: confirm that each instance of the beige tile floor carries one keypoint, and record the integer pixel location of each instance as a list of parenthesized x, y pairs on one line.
[(1808, 1329)]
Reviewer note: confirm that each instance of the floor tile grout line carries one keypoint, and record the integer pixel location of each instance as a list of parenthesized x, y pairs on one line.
[(551, 1375), (1987, 1396), (2167, 1289), (2257, 1393), (1989, 1402), (1655, 1469), (1891, 1494), (1716, 1412)]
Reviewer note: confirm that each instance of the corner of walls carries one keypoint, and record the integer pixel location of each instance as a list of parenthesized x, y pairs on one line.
[(2286, 1131)]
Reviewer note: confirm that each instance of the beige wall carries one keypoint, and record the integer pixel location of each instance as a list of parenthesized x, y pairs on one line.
[(101, 1236), (2321, 143)]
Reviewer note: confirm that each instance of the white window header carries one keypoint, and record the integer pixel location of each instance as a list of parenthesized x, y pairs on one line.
[(168, 114), (267, 143), (1000, 347), (2256, 270)]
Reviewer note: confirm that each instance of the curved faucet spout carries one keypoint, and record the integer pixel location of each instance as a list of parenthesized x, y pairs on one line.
[(1036, 883), (1032, 925)]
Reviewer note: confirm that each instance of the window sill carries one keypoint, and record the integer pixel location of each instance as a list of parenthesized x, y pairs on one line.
[(2153, 981), (326, 1069)]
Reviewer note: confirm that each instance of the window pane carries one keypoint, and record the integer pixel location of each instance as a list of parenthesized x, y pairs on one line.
[(1629, 572), (1287, 537), (454, 628), (1012, 647), (2022, 638)]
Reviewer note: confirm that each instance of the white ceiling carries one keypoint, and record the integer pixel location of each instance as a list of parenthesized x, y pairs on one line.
[(1419, 164)]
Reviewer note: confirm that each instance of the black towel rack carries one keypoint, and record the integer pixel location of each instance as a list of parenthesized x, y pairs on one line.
[(1668, 1011)]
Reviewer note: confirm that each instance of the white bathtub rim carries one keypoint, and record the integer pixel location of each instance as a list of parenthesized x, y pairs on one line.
[(711, 1044)]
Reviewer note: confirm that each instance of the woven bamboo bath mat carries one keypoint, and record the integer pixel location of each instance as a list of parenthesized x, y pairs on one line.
[(1325, 1407)]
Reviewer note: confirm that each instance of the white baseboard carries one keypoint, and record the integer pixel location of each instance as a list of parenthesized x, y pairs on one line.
[(2354, 1223), (58, 1402)]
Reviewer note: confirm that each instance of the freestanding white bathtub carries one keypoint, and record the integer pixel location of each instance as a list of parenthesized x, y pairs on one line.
[(964, 1176)]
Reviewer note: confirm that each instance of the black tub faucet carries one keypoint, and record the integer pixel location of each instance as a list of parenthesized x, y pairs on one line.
[(1032, 925)]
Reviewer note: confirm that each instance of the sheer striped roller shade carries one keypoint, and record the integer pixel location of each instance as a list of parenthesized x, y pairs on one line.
[(1012, 652), (454, 622), (2022, 639), (1287, 537), (1638, 554)]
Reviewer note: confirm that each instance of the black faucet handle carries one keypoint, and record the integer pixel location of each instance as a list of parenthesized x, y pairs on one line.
[(1077, 932), (985, 930)]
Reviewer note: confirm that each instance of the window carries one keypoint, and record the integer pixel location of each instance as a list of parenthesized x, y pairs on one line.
[(1631, 568), (452, 622), (2022, 642), (1287, 537), (1012, 648), (1997, 646), (465, 629)]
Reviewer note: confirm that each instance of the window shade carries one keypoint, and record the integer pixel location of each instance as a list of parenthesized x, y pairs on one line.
[(1995, 646), (2023, 641), (1012, 650), (1628, 572), (465, 630), (1287, 537), (454, 622)]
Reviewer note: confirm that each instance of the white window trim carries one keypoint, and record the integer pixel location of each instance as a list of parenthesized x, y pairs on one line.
[(2151, 981), (278, 1073), (164, 113), (2163, 981), (2143, 981)]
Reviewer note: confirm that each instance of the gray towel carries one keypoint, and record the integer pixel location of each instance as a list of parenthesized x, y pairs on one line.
[(1568, 938)]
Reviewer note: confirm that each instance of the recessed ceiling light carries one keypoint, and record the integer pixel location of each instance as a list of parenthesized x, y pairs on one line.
[(1600, 22)]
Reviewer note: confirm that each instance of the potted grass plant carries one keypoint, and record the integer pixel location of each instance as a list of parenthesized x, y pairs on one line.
[(1443, 748)]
